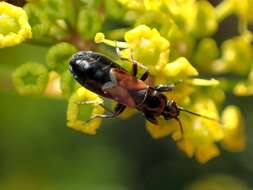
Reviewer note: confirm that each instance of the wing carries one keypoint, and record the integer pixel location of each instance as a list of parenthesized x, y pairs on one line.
[(125, 88)]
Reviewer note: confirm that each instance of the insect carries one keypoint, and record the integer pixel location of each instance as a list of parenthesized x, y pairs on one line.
[(103, 76)]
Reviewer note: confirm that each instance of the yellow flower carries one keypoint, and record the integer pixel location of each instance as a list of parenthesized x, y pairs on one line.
[(77, 114), (206, 21), (205, 54), (206, 152), (201, 134), (181, 93), (244, 8), (245, 88), (180, 68), (148, 47), (142, 4), (163, 129), (153, 4), (237, 54), (133, 4), (14, 26), (234, 138), (184, 19), (203, 82)]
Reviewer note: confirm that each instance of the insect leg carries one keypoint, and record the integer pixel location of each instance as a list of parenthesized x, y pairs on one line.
[(145, 76), (135, 69), (151, 118), (166, 87), (87, 102), (135, 64), (117, 110), (95, 102), (118, 53)]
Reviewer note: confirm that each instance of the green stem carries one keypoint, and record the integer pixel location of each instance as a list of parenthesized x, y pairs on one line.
[(46, 42)]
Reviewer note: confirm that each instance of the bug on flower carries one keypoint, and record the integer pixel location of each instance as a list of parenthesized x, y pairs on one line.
[(101, 75)]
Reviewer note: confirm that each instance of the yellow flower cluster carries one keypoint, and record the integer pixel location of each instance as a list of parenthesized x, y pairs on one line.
[(177, 49), (188, 23), (200, 135), (197, 17), (147, 46), (14, 26), (243, 8), (234, 137)]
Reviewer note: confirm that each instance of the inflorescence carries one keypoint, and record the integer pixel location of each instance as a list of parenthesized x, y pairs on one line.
[(173, 39)]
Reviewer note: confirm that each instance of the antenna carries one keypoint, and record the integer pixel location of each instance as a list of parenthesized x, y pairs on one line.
[(200, 115)]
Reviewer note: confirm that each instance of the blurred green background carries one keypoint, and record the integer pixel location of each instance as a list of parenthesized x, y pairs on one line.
[(38, 151)]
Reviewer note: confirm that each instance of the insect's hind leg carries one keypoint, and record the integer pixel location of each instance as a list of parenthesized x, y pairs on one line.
[(117, 111)]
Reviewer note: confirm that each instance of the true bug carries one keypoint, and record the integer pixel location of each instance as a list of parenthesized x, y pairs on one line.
[(103, 76)]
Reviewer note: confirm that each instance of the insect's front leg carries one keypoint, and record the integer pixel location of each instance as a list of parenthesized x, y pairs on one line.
[(135, 64), (166, 87), (144, 76), (151, 118)]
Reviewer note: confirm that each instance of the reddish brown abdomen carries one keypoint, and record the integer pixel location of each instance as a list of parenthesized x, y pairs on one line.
[(125, 88)]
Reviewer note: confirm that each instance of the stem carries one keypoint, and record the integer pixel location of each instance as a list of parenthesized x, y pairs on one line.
[(81, 44), (46, 42)]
